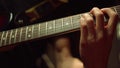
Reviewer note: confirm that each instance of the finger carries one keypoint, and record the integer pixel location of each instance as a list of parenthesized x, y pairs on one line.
[(90, 26), (99, 16), (113, 19), (84, 33)]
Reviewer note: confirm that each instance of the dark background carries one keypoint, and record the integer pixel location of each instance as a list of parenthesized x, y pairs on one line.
[(25, 55)]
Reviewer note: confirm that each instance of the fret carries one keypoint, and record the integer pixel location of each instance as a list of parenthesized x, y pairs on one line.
[(50, 27), (42, 29), (29, 32), (54, 25), (10, 36), (36, 31), (58, 25), (26, 37), (76, 21), (46, 29), (3, 38), (39, 30), (23, 36), (62, 23), (20, 34), (32, 31), (6, 38), (114, 8), (15, 35), (0, 38), (71, 21), (66, 23), (117, 9)]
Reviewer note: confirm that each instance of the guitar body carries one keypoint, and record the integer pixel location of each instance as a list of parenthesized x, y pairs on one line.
[(4, 20), (37, 12), (27, 17), (7, 48)]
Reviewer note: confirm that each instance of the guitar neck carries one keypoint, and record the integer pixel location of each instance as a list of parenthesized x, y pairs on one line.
[(42, 30)]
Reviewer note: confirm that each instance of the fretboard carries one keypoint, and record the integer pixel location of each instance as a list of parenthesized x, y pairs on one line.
[(41, 30)]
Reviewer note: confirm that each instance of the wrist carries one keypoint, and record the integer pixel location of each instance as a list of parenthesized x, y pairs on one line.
[(95, 64)]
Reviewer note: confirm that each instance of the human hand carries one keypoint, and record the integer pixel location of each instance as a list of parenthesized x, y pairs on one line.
[(96, 39)]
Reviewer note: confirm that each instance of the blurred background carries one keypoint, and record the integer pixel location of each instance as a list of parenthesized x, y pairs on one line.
[(18, 13)]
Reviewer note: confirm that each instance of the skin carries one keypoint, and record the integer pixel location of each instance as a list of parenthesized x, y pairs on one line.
[(63, 56), (96, 40)]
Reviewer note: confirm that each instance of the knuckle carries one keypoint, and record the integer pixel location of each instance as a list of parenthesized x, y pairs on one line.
[(91, 39), (89, 20), (100, 36), (115, 15), (99, 14), (83, 26), (95, 8)]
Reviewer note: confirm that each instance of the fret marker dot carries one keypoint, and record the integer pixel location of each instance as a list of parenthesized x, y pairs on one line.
[(29, 29), (13, 36), (29, 35), (50, 27), (67, 24)]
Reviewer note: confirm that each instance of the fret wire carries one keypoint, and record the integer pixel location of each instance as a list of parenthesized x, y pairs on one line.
[(35, 31), (54, 25), (67, 23), (46, 27), (71, 21), (62, 23), (20, 34), (2, 38), (6, 37), (32, 31), (29, 32), (43, 29), (80, 17), (39, 30), (10, 36), (15, 35), (26, 33), (115, 10), (76, 21)]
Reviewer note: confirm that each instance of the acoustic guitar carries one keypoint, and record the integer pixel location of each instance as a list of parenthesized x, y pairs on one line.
[(43, 30)]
